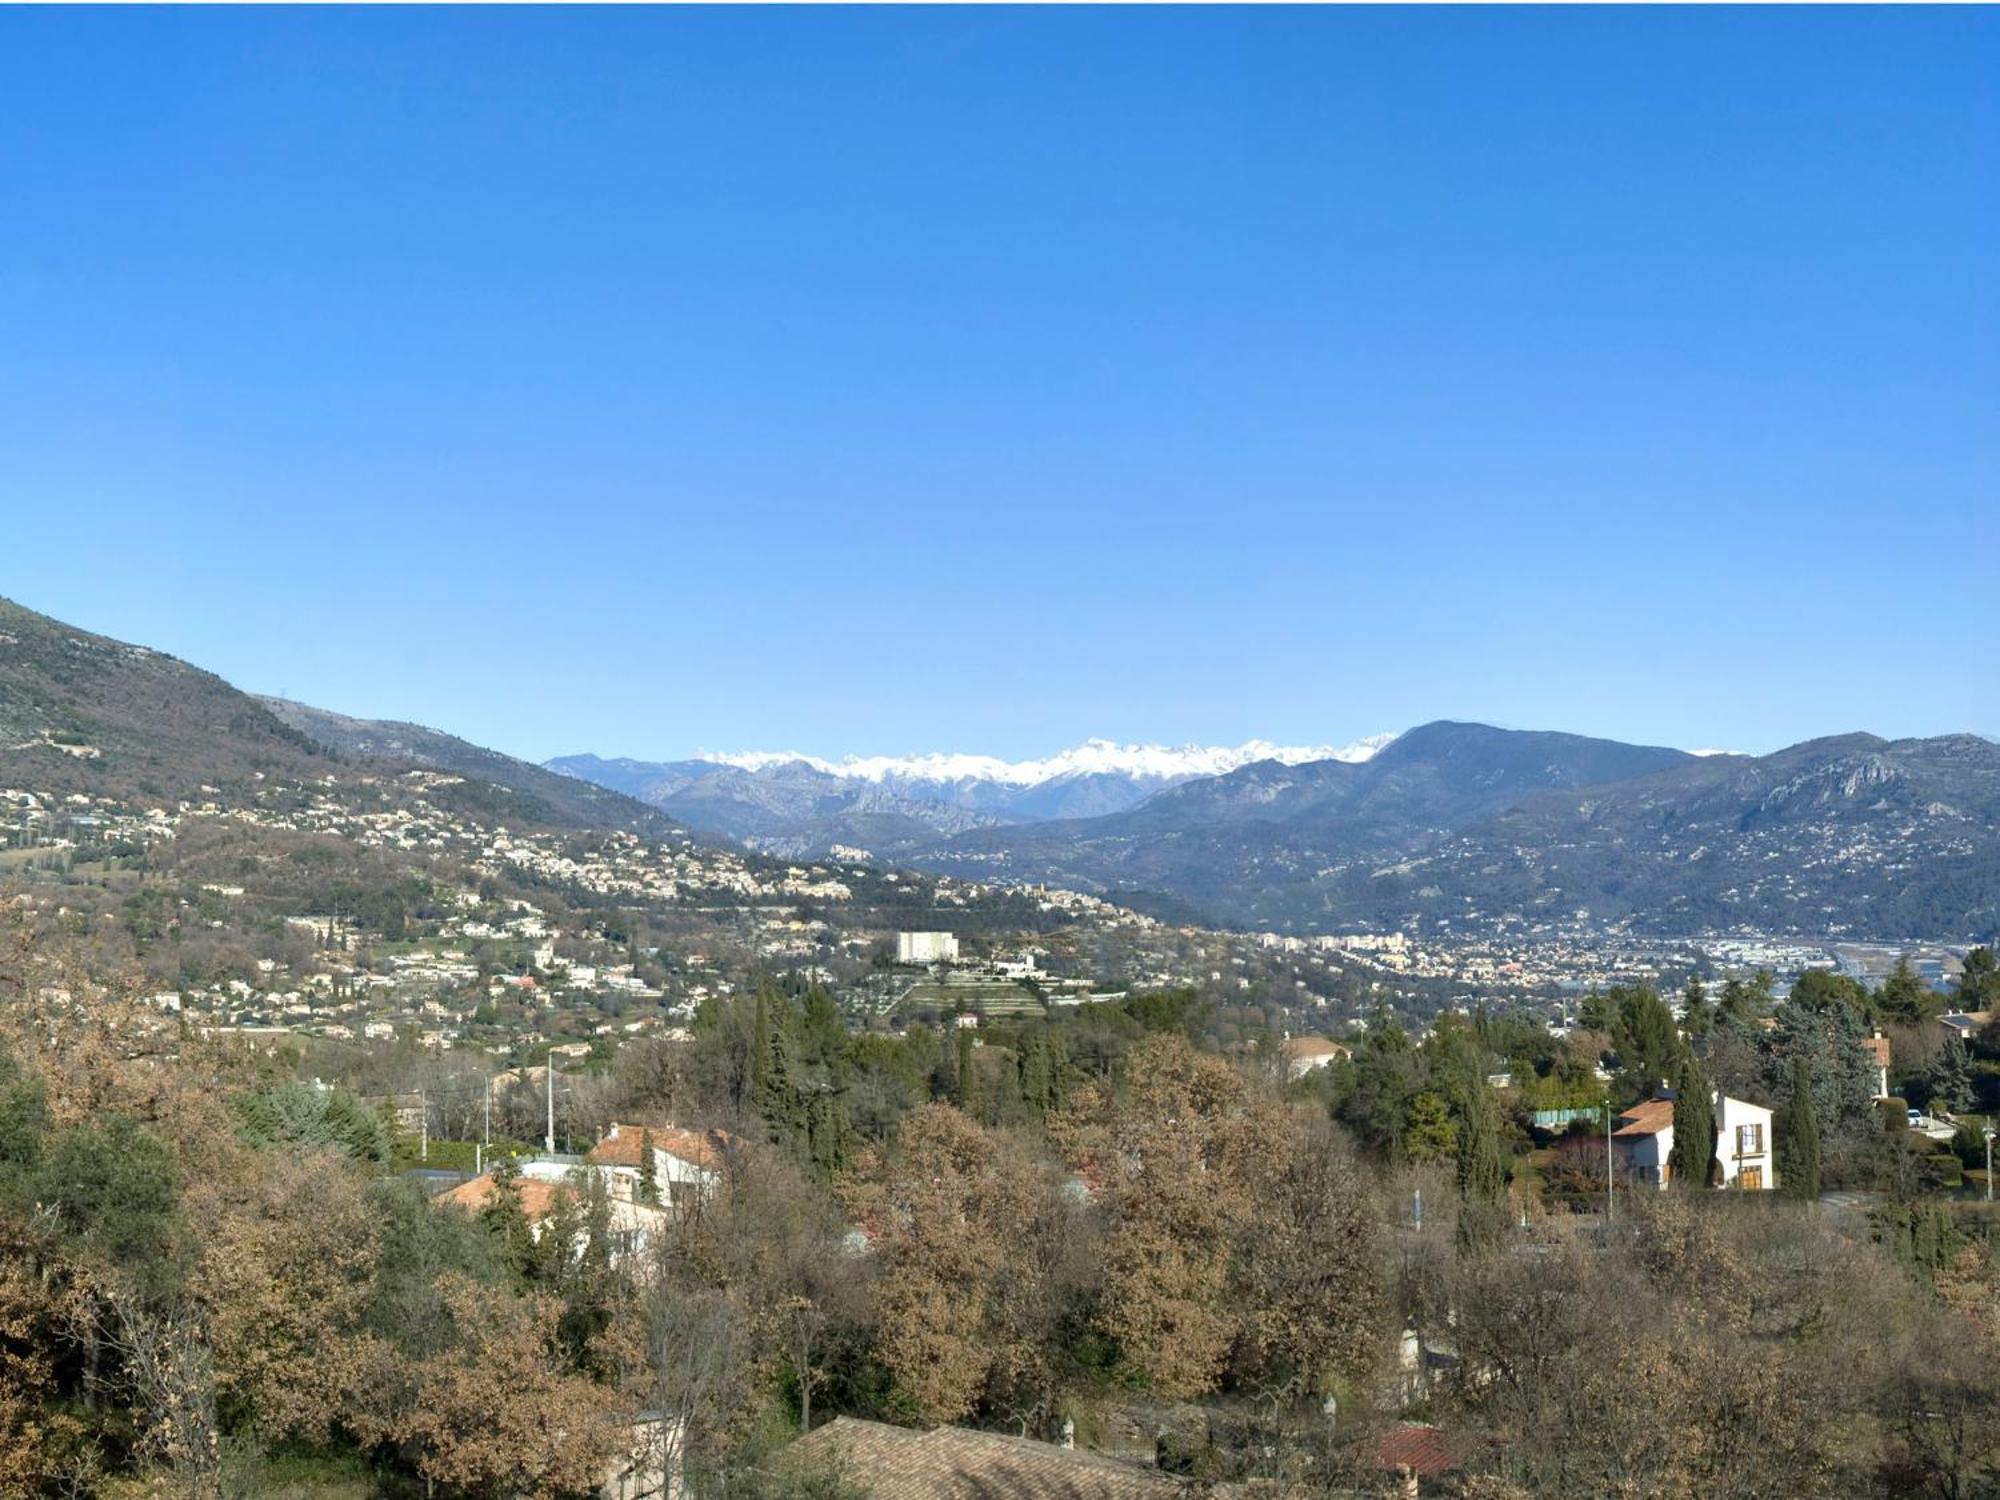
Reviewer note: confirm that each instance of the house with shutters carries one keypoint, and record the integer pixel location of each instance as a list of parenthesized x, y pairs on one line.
[(1644, 1141)]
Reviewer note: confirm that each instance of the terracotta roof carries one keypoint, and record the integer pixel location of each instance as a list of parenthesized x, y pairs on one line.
[(1415, 1446), (538, 1198), (699, 1148), (957, 1463), (1313, 1046), (1649, 1118)]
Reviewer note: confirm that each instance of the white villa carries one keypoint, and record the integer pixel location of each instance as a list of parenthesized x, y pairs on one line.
[(1644, 1141), (686, 1164)]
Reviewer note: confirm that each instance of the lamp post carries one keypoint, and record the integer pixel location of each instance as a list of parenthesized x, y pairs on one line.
[(1988, 1133)]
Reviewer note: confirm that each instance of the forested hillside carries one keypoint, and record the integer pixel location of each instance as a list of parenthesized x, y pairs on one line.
[(214, 1282)]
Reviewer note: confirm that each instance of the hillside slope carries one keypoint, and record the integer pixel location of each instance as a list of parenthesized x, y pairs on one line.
[(550, 796), (80, 713)]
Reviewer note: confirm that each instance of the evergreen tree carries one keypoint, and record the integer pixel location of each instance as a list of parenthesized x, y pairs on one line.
[(1823, 1023), (1744, 1001), (1978, 980), (1696, 1016), (782, 1101), (1482, 1172), (829, 1136), (1798, 1137), (968, 1073), (1643, 1035), (1594, 1014), (649, 1170), (1036, 1073), (507, 1220), (1906, 998), (1693, 1157), (1951, 1079), (761, 1042), (1430, 1133)]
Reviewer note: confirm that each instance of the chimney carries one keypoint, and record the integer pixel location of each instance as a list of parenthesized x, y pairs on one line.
[(1068, 1433), (614, 1131)]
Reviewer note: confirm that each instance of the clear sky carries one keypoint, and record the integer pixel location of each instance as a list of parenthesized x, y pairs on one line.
[(884, 380)]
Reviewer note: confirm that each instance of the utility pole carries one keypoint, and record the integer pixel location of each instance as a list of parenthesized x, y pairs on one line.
[(1989, 1163), (424, 1125), (549, 1072), (486, 1136)]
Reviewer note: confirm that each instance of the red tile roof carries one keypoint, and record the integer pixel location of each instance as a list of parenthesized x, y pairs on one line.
[(1649, 1118), (538, 1198), (1417, 1447), (698, 1148)]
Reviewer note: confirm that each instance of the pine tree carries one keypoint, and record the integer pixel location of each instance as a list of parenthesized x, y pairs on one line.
[(968, 1073), (1693, 1157), (1429, 1132), (1798, 1136), (1643, 1033), (649, 1170), (1905, 997)]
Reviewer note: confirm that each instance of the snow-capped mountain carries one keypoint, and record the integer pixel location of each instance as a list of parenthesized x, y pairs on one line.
[(795, 803), (1093, 757)]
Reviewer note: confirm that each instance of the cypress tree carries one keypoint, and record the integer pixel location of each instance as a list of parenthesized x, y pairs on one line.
[(829, 1136), (968, 1074), (1033, 1072), (649, 1170), (1799, 1136), (783, 1103), (1482, 1173), (1693, 1157), (505, 1218), (760, 1049)]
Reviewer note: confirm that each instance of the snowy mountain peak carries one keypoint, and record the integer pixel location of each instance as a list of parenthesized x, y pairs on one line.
[(1094, 757)]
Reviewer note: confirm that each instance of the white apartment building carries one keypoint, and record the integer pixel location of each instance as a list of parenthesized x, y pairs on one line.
[(926, 948)]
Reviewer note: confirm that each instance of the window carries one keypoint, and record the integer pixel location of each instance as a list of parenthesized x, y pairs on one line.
[(1749, 1140)]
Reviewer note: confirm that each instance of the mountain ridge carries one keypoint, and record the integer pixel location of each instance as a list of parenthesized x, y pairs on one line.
[(796, 804), (1849, 833)]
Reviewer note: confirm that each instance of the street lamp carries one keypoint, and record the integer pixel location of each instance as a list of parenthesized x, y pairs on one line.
[(1607, 1164), (1988, 1133)]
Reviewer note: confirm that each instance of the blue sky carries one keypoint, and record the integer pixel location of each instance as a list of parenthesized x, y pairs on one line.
[(883, 380)]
